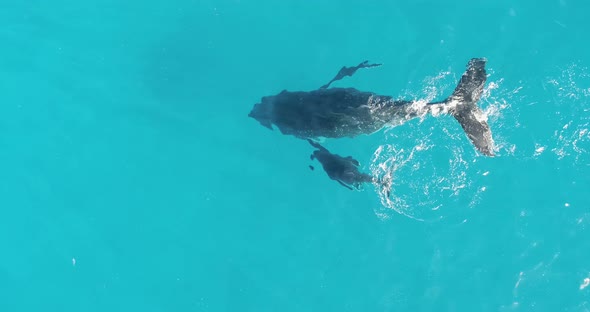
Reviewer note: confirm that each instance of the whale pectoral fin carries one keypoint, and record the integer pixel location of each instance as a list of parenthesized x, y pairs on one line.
[(313, 143), (346, 186), (317, 145), (348, 71), (266, 124), (353, 161)]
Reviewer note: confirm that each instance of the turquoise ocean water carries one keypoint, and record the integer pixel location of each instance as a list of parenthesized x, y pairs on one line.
[(133, 180)]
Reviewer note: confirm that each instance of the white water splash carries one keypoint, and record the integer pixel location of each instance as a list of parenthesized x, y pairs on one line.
[(585, 283), (539, 149), (572, 137), (428, 181)]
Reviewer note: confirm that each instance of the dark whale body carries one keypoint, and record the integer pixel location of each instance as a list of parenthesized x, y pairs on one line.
[(348, 112), (344, 170)]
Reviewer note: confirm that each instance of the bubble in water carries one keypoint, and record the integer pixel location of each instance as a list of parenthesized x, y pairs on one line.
[(585, 283), (539, 149), (572, 138), (420, 185), (428, 167)]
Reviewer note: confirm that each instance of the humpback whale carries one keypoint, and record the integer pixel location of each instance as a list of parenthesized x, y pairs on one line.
[(344, 170), (348, 112)]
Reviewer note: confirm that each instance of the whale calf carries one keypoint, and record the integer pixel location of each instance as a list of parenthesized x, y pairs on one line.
[(348, 112), (344, 170)]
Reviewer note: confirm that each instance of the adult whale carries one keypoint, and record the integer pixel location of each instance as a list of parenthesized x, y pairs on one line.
[(348, 112)]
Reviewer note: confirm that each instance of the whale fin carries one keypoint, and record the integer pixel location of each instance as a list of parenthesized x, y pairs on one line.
[(343, 184), (466, 112), (349, 71)]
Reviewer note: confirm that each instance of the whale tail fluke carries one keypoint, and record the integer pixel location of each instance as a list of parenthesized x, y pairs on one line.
[(465, 109)]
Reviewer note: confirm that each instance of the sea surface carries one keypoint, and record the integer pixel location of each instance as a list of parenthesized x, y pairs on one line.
[(132, 179)]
